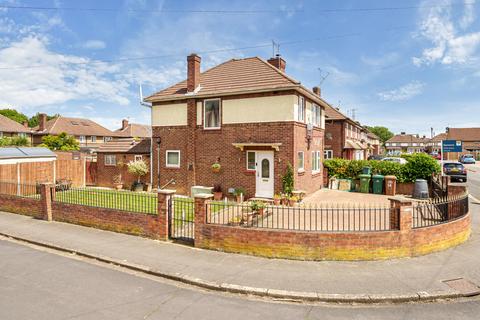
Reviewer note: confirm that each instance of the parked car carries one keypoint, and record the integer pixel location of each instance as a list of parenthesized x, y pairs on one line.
[(455, 170), (436, 155), (467, 159), (395, 159), (376, 157)]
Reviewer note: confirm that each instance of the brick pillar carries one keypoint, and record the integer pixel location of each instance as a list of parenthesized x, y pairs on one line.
[(46, 191), (191, 145), (164, 196), (201, 213), (401, 215)]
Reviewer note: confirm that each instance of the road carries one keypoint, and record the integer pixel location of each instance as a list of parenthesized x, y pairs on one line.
[(473, 180), (38, 284)]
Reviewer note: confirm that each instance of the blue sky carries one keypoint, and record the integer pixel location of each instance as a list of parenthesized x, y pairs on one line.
[(407, 65)]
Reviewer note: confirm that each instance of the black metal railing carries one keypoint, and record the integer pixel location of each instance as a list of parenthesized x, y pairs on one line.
[(23, 190), (111, 199), (181, 211), (332, 218), (439, 210)]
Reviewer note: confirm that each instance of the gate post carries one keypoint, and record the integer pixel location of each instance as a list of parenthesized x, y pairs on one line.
[(46, 192), (200, 214), (164, 204), (401, 216)]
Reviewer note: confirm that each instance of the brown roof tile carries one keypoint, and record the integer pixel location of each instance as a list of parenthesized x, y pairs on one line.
[(439, 137), (135, 130), (334, 114), (127, 145), (75, 127), (407, 138), (464, 134), (8, 125)]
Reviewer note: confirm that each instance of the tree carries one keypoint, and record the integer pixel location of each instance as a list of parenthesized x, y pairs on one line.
[(14, 115), (382, 132), (62, 142), (14, 141), (34, 120)]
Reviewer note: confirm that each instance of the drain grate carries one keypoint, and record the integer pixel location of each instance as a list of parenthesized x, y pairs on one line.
[(463, 286)]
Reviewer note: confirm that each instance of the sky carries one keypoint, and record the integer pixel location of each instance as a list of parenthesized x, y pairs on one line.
[(407, 65)]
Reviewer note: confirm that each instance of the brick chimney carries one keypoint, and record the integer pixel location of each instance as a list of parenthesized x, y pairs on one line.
[(124, 124), (25, 124), (317, 91), (42, 121), (278, 62), (193, 72)]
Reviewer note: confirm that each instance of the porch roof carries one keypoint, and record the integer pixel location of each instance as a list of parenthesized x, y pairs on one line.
[(349, 144), (243, 145)]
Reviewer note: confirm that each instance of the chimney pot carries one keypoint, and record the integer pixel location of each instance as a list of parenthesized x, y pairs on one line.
[(193, 72), (42, 121), (124, 124), (317, 91), (278, 62), (402, 133)]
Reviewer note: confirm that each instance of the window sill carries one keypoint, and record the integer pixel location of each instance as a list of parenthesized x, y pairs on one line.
[(171, 167), (316, 173), (301, 172)]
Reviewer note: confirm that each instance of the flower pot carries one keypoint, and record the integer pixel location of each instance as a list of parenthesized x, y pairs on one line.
[(260, 211), (276, 202), (239, 198), (138, 186), (217, 196), (215, 170), (119, 186)]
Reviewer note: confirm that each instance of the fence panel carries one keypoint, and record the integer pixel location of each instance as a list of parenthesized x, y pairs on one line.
[(23, 190), (339, 218), (181, 211), (110, 199)]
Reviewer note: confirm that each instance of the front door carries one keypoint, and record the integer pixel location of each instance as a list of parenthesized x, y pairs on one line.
[(264, 171)]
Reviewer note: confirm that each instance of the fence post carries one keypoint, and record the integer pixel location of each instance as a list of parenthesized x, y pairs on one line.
[(46, 199), (200, 215), (164, 197), (401, 216)]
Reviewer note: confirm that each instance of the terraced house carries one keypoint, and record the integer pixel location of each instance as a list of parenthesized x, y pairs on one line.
[(246, 116)]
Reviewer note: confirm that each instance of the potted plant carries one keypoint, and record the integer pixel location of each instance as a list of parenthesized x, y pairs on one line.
[(117, 181), (138, 168), (216, 167), (239, 192), (292, 200), (258, 207), (235, 221), (277, 198), (217, 192)]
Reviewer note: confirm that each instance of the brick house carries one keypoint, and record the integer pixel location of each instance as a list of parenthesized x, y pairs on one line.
[(112, 159), (344, 138), (373, 143), (435, 143), (470, 138), (405, 143), (88, 133), (11, 128), (248, 116), (133, 130)]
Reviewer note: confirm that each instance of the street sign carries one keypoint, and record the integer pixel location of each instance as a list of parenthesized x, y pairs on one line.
[(451, 146)]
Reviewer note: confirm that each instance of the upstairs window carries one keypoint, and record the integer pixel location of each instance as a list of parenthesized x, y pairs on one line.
[(93, 139), (106, 139), (211, 114), (301, 109), (317, 115), (82, 139)]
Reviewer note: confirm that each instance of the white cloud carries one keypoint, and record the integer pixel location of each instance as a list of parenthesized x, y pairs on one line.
[(94, 44), (403, 93), (449, 46)]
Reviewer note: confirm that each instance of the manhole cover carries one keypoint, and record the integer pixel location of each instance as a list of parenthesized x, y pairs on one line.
[(463, 286)]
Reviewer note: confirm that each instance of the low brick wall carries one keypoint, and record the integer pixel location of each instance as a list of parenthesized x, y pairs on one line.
[(139, 224), (334, 246), (25, 206), (405, 188)]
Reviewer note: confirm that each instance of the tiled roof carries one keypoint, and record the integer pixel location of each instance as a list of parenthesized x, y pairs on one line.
[(439, 137), (236, 75), (464, 134), (372, 135), (334, 114), (127, 145), (75, 127), (407, 138), (135, 130), (8, 125)]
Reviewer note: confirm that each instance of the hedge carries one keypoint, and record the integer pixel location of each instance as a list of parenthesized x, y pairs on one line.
[(419, 166)]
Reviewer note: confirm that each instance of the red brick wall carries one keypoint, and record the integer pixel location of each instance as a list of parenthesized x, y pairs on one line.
[(335, 137), (25, 206), (105, 173)]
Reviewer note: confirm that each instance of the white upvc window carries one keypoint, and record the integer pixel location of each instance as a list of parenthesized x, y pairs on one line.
[(22, 135), (106, 139), (211, 114), (300, 162), (317, 115), (82, 139), (328, 154), (301, 109), (251, 162), (93, 139), (110, 160), (172, 158), (315, 161), (138, 157)]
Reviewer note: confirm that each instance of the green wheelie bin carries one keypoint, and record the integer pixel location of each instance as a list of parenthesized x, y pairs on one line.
[(378, 183), (364, 183)]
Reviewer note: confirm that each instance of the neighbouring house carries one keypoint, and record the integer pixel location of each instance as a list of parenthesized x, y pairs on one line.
[(113, 157), (133, 130), (11, 128), (373, 143), (405, 143), (434, 145), (344, 138), (470, 138), (246, 115), (88, 133)]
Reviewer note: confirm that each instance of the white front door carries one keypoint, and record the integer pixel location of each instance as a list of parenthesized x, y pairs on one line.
[(264, 171)]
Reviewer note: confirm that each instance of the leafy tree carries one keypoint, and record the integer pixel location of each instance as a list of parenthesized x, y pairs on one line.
[(62, 142), (138, 168), (34, 120), (287, 180), (14, 115), (14, 141), (382, 132)]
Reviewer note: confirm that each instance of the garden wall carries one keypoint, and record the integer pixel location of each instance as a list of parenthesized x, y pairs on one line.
[(24, 206)]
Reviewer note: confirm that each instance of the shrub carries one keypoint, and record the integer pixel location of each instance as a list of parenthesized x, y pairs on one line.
[(138, 168), (420, 166), (287, 180)]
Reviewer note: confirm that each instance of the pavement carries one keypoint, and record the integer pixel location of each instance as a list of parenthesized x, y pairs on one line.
[(410, 279)]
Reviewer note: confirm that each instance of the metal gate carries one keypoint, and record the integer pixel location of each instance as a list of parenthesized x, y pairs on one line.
[(181, 215)]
